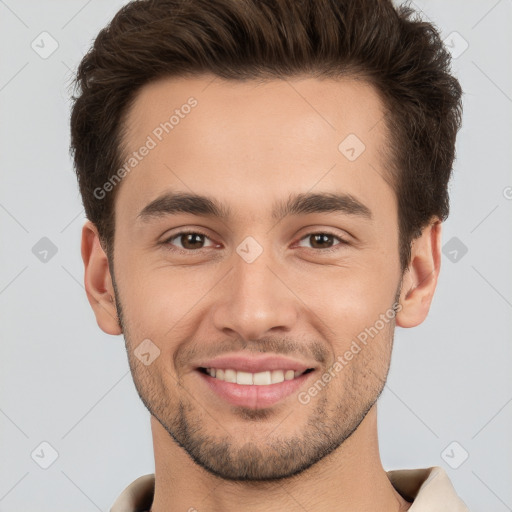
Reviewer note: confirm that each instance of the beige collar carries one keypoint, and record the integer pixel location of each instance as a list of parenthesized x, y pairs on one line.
[(430, 490)]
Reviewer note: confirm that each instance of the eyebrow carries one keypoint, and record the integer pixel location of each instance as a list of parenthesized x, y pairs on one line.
[(172, 203)]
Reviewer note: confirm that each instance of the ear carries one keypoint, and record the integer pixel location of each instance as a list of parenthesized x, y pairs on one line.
[(98, 281), (420, 279)]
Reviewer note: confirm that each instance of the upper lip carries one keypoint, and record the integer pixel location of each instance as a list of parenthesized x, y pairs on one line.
[(255, 364)]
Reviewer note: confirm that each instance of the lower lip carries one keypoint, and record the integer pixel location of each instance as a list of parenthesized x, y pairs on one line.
[(254, 397)]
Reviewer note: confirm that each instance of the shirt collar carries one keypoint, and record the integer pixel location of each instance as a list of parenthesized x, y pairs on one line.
[(430, 490)]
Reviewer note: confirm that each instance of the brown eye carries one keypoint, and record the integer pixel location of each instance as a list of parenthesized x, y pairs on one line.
[(189, 240), (323, 241)]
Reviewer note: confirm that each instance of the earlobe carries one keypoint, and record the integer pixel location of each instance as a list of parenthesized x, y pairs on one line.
[(98, 281), (420, 279)]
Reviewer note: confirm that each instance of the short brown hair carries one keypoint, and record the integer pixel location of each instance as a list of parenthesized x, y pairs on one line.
[(402, 56)]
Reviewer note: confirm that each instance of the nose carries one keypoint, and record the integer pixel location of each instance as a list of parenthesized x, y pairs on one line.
[(255, 299)]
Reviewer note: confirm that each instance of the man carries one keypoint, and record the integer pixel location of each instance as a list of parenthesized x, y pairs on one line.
[(265, 184)]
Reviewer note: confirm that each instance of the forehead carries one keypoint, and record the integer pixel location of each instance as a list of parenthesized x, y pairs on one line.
[(244, 140)]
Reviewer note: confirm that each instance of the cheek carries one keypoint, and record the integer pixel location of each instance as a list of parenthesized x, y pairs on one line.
[(348, 299), (163, 304)]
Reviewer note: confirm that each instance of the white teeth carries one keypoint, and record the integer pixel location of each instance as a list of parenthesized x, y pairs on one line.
[(258, 379), (230, 375), (262, 378), (277, 376), (243, 378)]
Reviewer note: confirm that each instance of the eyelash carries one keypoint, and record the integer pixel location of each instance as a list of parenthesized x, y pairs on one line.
[(167, 244)]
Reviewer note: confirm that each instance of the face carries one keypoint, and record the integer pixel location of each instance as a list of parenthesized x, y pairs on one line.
[(302, 263)]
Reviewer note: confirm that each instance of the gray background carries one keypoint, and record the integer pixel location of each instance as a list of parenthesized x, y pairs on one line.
[(64, 382)]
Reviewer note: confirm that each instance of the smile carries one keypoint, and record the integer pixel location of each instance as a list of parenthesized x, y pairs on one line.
[(263, 378)]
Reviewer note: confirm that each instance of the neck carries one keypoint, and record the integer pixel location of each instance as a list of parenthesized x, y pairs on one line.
[(349, 479)]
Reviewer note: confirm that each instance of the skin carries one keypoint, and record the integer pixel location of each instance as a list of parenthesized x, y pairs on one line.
[(248, 145)]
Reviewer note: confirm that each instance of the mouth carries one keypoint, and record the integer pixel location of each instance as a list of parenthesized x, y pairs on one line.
[(253, 390), (264, 378)]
